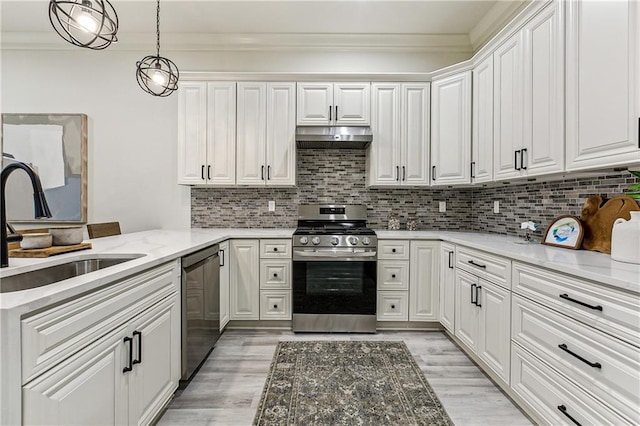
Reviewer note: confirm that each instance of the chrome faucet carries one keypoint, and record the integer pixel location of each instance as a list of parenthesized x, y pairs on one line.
[(39, 204)]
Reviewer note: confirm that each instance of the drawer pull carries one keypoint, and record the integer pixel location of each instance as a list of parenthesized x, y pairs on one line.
[(477, 264), (393, 275), (275, 249), (275, 275), (592, 364), (275, 306), (393, 250), (130, 366), (566, 297), (393, 306), (563, 410)]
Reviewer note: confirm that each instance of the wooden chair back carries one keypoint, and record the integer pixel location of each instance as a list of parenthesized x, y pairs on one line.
[(107, 229)]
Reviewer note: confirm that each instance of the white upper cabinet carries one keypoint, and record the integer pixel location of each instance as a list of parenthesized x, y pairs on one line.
[(602, 84), (266, 134), (399, 153), (482, 122), (206, 133), (543, 143), (451, 130), (507, 109), (334, 104)]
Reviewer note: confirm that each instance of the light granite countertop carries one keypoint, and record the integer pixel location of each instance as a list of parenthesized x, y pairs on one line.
[(160, 246)]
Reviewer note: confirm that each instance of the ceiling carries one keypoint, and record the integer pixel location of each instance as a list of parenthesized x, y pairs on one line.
[(474, 19)]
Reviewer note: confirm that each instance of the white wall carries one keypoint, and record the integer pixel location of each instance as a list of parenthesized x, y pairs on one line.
[(132, 135)]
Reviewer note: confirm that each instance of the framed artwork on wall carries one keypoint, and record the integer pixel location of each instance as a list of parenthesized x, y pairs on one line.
[(564, 231)]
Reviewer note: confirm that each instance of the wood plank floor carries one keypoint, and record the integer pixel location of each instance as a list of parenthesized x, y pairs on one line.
[(227, 389)]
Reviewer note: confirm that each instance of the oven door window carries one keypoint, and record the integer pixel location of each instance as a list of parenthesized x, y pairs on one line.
[(334, 287)]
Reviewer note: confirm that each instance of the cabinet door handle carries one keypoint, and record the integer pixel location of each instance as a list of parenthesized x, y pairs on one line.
[(262, 173), (472, 288), (471, 262), (450, 260), (329, 113), (570, 352), (221, 252), (130, 366), (433, 172), (139, 359), (515, 159), (522, 166), (478, 304), (202, 172), (404, 174), (209, 172), (473, 170), (563, 410), (269, 172), (336, 113), (398, 173), (566, 297)]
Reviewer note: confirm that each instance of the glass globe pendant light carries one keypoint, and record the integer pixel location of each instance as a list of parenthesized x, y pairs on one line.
[(156, 75), (85, 23)]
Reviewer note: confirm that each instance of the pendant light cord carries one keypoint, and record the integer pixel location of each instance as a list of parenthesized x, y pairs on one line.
[(158, 29)]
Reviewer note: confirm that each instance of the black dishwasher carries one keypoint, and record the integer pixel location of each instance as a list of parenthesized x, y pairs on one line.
[(200, 307)]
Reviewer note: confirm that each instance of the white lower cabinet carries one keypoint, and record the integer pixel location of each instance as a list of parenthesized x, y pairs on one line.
[(447, 281), (275, 304), (244, 291), (393, 306), (482, 320), (224, 284), (126, 375), (423, 284)]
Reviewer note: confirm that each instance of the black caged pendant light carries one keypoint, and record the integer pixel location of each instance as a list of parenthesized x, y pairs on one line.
[(85, 23), (156, 75)]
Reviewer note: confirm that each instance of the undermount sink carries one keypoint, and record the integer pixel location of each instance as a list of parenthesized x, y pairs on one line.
[(54, 274)]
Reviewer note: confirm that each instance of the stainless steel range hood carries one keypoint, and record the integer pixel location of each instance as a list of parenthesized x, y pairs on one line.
[(333, 137)]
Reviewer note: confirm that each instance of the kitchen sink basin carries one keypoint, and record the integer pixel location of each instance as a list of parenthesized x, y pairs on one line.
[(54, 274)]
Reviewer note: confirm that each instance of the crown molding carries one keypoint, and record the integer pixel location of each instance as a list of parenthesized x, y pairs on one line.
[(494, 20), (439, 43), (303, 76)]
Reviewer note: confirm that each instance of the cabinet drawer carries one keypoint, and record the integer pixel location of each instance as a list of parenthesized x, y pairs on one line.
[(393, 249), (55, 334), (393, 306), (609, 310), (614, 380), (393, 275), (547, 392), (275, 305), (484, 265), (275, 249), (275, 274)]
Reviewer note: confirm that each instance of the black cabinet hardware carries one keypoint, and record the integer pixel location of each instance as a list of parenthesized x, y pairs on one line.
[(262, 173), (221, 257), (450, 260), (404, 174), (393, 306), (336, 112), (202, 172), (478, 304), (209, 172), (275, 306), (515, 159), (393, 275), (329, 112), (563, 410), (477, 264), (268, 172), (433, 172), (472, 288), (522, 166), (139, 359), (130, 366), (591, 364), (398, 173), (393, 250), (275, 249), (566, 297), (473, 170), (275, 275)]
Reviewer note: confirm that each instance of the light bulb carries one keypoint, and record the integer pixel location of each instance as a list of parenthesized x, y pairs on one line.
[(86, 21), (159, 78)]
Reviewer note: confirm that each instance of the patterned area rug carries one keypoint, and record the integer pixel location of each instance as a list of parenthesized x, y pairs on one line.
[(347, 383)]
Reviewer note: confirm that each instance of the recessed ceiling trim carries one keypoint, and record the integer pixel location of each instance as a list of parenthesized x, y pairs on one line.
[(456, 43)]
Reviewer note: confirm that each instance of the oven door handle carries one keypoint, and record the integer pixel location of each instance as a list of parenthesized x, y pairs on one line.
[(333, 255)]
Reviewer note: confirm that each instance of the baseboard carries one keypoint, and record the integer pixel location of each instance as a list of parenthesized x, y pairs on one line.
[(380, 325)]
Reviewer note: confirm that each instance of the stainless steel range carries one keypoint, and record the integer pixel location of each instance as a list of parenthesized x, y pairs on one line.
[(334, 270)]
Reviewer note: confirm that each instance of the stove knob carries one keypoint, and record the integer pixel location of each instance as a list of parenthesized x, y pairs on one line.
[(304, 240), (353, 240), (315, 240), (335, 241), (365, 241)]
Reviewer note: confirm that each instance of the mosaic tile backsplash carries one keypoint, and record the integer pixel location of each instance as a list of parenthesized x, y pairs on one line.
[(338, 176)]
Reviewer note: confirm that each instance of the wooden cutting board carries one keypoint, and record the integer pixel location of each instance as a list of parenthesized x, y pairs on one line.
[(49, 251), (598, 217)]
